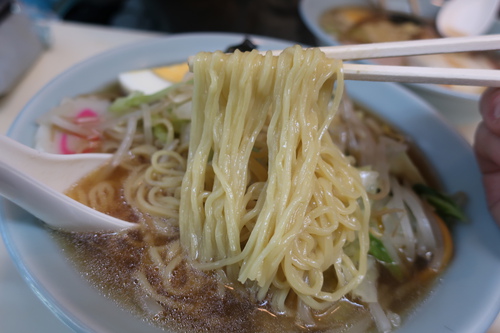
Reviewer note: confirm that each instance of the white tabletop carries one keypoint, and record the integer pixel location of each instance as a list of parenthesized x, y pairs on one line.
[(71, 43)]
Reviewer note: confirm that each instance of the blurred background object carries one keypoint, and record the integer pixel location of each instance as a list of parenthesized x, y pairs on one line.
[(273, 18), (20, 44), (467, 18), (336, 22), (292, 20)]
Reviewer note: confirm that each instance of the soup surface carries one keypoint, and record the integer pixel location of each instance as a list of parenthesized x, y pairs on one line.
[(122, 266), (194, 300)]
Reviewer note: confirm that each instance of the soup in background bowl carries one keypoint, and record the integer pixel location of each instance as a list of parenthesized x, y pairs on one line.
[(471, 274), (335, 22)]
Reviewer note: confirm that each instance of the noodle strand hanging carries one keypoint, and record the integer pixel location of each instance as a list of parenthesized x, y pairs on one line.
[(267, 197)]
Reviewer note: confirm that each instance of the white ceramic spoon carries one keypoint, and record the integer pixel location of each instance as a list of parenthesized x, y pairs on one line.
[(35, 181), (466, 17)]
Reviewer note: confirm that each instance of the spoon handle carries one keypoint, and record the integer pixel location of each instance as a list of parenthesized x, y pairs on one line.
[(35, 181), (56, 209), (56, 171)]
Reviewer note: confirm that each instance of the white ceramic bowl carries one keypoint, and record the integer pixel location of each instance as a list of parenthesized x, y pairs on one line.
[(465, 300), (458, 107)]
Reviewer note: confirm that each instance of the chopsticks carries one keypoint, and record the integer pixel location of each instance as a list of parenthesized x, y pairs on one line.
[(411, 48), (411, 74)]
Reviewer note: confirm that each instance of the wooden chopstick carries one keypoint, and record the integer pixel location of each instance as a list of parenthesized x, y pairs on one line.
[(410, 48), (408, 74)]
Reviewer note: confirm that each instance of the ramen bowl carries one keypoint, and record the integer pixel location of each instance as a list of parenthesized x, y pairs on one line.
[(465, 299), (459, 107)]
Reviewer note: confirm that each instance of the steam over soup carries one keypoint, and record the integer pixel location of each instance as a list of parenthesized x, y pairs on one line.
[(265, 200)]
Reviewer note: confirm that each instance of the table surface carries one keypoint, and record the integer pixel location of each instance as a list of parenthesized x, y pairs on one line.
[(70, 43)]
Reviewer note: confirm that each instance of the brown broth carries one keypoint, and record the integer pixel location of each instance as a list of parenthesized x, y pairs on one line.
[(193, 300), (110, 261)]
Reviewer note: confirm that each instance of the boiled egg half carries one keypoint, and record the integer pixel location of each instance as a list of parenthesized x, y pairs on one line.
[(151, 80)]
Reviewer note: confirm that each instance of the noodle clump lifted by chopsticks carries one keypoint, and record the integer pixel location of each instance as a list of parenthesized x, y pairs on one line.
[(267, 197)]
